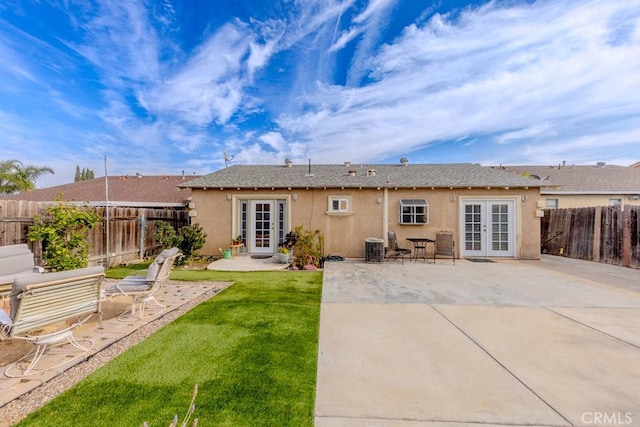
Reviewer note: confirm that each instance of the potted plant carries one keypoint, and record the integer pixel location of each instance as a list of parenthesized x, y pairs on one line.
[(284, 254)]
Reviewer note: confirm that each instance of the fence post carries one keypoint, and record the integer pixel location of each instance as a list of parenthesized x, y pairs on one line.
[(142, 221), (597, 227), (626, 237)]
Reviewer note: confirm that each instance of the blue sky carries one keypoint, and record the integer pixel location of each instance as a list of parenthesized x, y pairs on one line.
[(161, 87)]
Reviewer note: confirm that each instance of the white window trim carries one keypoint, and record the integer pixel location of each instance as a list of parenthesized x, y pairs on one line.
[(346, 199), (400, 216)]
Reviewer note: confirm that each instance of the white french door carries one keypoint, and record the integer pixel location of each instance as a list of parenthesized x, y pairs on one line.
[(488, 228), (263, 217)]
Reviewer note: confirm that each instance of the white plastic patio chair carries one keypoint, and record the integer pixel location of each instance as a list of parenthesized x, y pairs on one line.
[(142, 289)]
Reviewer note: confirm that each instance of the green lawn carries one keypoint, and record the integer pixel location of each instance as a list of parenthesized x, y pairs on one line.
[(252, 350)]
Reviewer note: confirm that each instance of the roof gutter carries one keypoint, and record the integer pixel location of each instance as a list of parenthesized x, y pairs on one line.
[(123, 204), (598, 192)]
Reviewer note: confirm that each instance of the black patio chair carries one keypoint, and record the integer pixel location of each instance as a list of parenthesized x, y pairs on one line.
[(445, 245), (394, 250)]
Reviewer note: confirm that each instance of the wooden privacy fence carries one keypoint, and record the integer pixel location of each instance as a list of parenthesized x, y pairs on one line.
[(603, 234), (131, 230)]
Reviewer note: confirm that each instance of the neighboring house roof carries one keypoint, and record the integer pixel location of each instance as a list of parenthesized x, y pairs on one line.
[(596, 179), (131, 191), (456, 175)]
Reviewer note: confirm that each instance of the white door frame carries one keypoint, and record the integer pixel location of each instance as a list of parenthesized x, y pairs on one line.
[(236, 221), (262, 227), (490, 229)]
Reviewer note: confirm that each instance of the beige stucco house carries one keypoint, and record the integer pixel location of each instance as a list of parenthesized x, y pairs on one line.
[(491, 213), (574, 186)]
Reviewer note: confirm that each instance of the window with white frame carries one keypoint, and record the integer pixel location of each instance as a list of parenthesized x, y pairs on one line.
[(552, 203), (414, 211), (339, 204)]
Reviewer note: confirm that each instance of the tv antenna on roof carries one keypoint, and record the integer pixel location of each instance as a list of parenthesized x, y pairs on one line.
[(227, 158)]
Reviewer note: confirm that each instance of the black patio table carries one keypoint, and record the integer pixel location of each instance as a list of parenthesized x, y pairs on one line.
[(420, 246)]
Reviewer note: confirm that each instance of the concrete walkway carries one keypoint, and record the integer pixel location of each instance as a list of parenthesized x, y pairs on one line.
[(554, 342), (244, 262)]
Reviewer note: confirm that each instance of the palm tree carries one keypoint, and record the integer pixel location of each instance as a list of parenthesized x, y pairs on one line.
[(15, 177)]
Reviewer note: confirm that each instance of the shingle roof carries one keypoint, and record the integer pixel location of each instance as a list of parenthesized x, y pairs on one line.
[(143, 191), (608, 179), (364, 176)]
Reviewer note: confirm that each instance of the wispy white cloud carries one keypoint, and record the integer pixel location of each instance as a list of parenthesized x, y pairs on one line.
[(120, 40), (13, 67), (365, 31), (375, 7), (259, 55), (274, 140), (538, 131), (210, 86), (344, 39)]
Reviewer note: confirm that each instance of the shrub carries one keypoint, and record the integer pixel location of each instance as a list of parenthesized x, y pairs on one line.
[(167, 235), (192, 239), (188, 239), (63, 231), (308, 248)]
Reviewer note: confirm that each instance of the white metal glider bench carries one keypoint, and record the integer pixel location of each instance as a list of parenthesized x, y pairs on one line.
[(142, 289), (44, 300), (15, 261)]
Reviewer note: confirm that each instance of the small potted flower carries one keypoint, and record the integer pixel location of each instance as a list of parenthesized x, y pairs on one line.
[(284, 254)]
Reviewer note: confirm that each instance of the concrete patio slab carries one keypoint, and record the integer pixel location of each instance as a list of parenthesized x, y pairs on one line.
[(245, 262), (575, 369), (407, 362), (499, 283), (504, 343), (621, 323)]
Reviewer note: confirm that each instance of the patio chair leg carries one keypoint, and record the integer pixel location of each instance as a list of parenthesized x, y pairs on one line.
[(37, 354), (153, 299), (125, 315), (40, 350), (142, 305)]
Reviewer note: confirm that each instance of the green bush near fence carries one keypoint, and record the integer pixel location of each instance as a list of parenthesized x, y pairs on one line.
[(63, 227)]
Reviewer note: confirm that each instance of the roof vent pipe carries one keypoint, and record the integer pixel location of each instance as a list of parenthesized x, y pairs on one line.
[(288, 163), (347, 163), (404, 161)]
